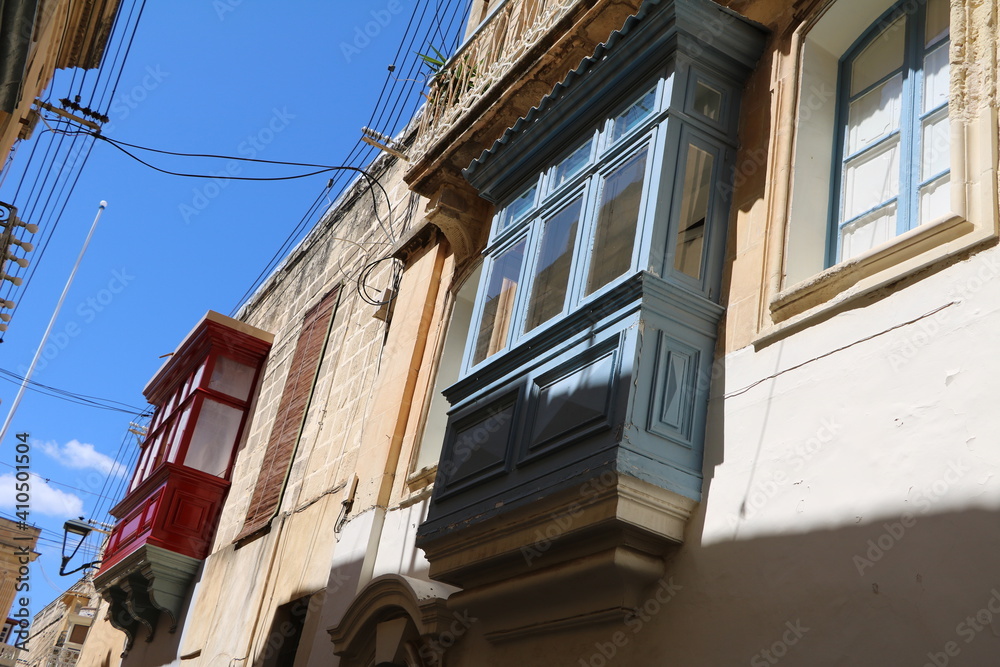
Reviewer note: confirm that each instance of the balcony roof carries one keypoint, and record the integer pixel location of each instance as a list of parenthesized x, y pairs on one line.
[(212, 328), (660, 20)]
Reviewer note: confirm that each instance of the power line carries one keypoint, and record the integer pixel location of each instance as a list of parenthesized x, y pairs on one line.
[(281, 251), (321, 168), (49, 480), (80, 399), (58, 191), (386, 113), (120, 464), (128, 50)]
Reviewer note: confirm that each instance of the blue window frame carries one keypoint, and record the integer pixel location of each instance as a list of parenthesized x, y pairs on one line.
[(893, 145), (570, 233)]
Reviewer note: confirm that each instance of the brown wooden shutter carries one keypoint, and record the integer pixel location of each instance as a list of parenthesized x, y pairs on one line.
[(78, 634), (290, 417)]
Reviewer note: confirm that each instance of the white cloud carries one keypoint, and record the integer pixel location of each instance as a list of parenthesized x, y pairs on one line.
[(42, 498), (81, 456)]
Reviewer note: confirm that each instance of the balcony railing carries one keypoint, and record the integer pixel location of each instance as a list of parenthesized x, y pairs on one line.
[(9, 655), (506, 36)]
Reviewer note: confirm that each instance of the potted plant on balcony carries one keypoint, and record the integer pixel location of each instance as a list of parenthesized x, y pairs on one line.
[(441, 76)]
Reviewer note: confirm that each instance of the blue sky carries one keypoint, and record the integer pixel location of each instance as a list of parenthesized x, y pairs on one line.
[(290, 82)]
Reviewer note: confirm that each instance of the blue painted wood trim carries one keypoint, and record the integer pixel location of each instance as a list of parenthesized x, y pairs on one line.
[(725, 44), (910, 132)]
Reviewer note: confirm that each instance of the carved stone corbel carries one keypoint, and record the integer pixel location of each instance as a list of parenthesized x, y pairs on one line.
[(462, 216)]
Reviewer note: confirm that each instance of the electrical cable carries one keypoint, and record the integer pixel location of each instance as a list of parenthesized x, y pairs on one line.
[(49, 480), (51, 230), (56, 392), (322, 168), (113, 59), (122, 486), (231, 178), (280, 253), (361, 153), (128, 50), (59, 193), (406, 92), (118, 462), (396, 94), (372, 182), (28, 211)]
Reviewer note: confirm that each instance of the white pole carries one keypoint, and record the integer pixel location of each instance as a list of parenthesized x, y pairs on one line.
[(48, 330)]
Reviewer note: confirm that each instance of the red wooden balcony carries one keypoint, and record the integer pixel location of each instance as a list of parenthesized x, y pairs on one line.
[(167, 520), (176, 509)]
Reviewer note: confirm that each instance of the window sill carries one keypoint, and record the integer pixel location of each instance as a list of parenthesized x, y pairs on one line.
[(847, 283), (419, 486), (419, 480)]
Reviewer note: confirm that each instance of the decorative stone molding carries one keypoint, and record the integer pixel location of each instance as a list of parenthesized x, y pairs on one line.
[(144, 584), (612, 532), (462, 216), (394, 622), (530, 58), (789, 304)]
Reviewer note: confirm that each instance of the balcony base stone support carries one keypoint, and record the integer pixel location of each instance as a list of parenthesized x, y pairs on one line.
[(462, 216), (595, 554), (149, 581)]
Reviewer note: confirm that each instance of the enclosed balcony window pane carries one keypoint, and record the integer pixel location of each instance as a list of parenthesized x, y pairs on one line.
[(935, 199), (867, 232), (694, 211), (199, 374), (175, 443), (937, 78), (140, 469), (707, 101), (871, 179), (168, 436), (875, 114), (186, 387), (495, 321), (614, 236), (634, 115), (213, 438), (149, 456), (938, 16), (518, 208), (571, 165), (232, 378), (551, 277), (171, 404), (882, 56)]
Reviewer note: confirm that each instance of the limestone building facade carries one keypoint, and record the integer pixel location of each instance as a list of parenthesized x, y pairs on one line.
[(682, 359), (59, 630)]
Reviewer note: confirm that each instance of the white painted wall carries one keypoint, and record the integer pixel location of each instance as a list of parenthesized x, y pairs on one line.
[(864, 453)]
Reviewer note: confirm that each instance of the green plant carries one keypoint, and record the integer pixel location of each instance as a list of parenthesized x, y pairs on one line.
[(440, 76), (435, 62)]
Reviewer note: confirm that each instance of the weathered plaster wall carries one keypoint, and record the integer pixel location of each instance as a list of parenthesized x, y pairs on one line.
[(850, 472), (851, 493), (104, 644), (849, 505)]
